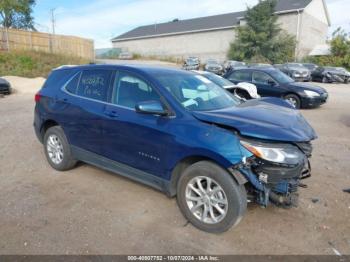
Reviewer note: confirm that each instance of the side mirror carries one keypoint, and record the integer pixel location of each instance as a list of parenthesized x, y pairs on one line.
[(151, 108), (271, 82)]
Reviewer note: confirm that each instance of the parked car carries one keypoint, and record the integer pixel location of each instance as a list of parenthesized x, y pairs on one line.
[(191, 63), (5, 87), (273, 82), (177, 132), (125, 56), (214, 66), (345, 72), (329, 74), (260, 65), (242, 90), (296, 71), (231, 65)]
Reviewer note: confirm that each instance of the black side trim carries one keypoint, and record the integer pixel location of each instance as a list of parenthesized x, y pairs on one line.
[(120, 169)]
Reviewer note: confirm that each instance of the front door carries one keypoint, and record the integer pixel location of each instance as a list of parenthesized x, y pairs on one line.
[(131, 138), (265, 84)]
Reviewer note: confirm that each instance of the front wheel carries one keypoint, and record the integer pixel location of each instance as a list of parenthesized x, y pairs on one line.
[(325, 80), (209, 197), (294, 100)]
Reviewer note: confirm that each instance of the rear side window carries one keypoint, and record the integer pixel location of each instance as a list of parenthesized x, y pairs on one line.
[(58, 78), (72, 85), (241, 76), (94, 84)]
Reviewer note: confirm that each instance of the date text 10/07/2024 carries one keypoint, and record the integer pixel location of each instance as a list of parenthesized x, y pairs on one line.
[(173, 258)]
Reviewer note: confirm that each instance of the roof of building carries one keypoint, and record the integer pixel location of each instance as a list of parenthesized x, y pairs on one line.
[(321, 50), (207, 23)]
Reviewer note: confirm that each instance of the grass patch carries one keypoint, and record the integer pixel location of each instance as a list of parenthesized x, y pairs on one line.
[(34, 64)]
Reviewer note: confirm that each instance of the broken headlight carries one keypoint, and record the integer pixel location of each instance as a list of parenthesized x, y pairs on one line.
[(277, 153)]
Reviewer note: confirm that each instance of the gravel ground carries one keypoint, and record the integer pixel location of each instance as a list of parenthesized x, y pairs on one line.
[(91, 211)]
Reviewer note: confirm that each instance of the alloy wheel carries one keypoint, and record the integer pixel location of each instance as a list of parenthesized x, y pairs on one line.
[(54, 149), (292, 101), (206, 199)]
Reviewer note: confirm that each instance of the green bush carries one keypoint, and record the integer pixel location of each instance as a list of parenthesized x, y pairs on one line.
[(34, 64)]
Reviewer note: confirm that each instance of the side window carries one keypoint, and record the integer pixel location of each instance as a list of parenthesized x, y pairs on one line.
[(72, 84), (261, 78), (94, 84), (241, 75), (130, 90)]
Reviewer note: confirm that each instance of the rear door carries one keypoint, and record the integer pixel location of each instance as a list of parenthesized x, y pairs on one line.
[(265, 84), (83, 103), (137, 140)]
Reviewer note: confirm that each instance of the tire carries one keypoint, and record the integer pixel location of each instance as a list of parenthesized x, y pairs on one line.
[(227, 190), (55, 142), (324, 80), (294, 100)]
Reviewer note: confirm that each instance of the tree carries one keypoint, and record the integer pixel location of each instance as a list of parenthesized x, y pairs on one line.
[(261, 39), (340, 51), (340, 43), (17, 14)]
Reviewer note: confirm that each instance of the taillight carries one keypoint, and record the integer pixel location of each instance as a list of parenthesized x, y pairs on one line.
[(37, 97)]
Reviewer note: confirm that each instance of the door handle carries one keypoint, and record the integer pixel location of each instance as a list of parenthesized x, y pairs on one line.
[(111, 114)]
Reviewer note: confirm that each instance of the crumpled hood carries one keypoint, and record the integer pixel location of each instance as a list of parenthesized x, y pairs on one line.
[(264, 119)]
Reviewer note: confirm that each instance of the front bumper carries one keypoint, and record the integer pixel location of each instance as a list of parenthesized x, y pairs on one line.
[(215, 71), (309, 102), (5, 90), (302, 78), (192, 67), (276, 183)]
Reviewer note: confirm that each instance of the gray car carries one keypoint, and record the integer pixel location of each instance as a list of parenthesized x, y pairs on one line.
[(296, 71), (214, 66)]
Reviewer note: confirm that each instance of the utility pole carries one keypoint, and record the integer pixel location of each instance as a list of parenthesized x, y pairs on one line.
[(53, 20), (53, 24)]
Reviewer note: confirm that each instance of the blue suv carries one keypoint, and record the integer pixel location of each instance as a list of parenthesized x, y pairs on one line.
[(178, 132)]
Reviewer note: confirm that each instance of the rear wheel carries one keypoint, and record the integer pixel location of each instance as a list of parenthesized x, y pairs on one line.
[(294, 100), (57, 149), (209, 197)]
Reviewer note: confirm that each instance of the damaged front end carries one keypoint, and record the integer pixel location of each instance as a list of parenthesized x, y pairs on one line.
[(275, 171)]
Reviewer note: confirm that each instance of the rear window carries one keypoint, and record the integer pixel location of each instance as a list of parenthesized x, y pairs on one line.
[(94, 84), (241, 76), (58, 78)]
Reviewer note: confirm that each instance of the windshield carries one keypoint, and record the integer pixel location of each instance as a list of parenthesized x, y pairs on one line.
[(296, 66), (281, 77), (310, 66), (212, 62), (328, 68), (197, 93), (192, 61), (220, 81)]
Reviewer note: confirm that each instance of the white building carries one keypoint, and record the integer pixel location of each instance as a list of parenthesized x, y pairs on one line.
[(210, 37)]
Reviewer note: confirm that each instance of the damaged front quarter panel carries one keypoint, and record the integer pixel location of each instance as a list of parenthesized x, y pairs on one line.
[(275, 182)]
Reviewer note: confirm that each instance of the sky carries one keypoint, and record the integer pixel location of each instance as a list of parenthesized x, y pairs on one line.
[(101, 20)]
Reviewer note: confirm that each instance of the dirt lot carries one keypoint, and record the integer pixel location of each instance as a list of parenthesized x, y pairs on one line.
[(90, 211)]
